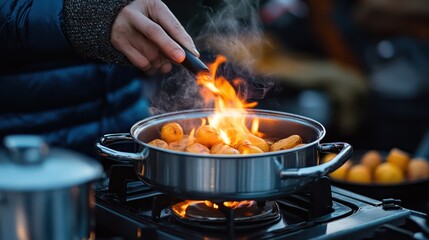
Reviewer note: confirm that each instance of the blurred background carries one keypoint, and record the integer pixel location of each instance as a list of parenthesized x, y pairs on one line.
[(360, 67), (368, 64)]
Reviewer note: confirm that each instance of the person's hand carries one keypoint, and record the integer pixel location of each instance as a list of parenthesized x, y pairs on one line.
[(146, 31)]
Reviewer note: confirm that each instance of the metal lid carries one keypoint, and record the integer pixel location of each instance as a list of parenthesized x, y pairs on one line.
[(29, 165)]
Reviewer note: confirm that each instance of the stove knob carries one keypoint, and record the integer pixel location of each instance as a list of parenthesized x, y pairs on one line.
[(391, 204)]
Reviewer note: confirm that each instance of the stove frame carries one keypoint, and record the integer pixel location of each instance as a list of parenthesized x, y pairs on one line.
[(130, 209)]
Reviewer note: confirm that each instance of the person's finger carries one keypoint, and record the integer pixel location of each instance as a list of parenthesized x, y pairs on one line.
[(148, 49), (121, 36), (151, 52), (156, 34), (162, 15), (136, 58)]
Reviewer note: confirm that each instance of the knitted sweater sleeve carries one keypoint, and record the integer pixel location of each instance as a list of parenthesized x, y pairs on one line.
[(88, 25)]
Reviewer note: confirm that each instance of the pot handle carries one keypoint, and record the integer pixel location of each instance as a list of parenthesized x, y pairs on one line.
[(344, 151), (116, 138)]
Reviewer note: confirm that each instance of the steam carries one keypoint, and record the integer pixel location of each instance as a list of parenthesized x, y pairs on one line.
[(233, 29)]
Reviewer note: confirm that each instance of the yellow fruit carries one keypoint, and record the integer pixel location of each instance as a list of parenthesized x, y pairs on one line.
[(254, 140), (247, 148), (418, 168), (222, 148), (359, 173), (286, 143), (341, 172), (171, 132), (197, 148), (388, 173), (208, 136), (399, 158), (371, 159), (328, 157), (158, 143)]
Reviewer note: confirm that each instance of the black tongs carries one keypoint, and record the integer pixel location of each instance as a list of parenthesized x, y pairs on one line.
[(194, 64)]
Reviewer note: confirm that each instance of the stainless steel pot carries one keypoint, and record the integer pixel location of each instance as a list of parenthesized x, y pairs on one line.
[(45, 193), (228, 177)]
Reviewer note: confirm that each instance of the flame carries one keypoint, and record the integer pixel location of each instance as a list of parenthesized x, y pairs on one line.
[(181, 207), (230, 109)]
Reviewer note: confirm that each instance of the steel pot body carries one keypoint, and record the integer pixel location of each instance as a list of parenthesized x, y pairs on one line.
[(50, 214), (45, 193), (228, 177)]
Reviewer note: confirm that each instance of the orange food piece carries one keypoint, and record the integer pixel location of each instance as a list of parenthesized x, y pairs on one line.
[(222, 148), (269, 141), (399, 158), (418, 168), (341, 172), (254, 140), (246, 147), (388, 172), (171, 132), (359, 173), (208, 136), (181, 144), (158, 143), (197, 148), (286, 143), (328, 157), (371, 159)]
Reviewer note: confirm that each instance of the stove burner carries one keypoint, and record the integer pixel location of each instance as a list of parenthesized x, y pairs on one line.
[(206, 215)]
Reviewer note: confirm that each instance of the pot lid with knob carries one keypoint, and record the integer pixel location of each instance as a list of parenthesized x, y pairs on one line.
[(28, 164)]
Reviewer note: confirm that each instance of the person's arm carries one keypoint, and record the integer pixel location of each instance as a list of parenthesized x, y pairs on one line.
[(139, 31), (114, 31), (30, 30)]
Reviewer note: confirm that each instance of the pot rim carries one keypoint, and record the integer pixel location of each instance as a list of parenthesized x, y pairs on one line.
[(139, 126)]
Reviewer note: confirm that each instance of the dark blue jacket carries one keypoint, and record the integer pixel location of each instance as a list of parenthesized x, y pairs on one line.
[(47, 89)]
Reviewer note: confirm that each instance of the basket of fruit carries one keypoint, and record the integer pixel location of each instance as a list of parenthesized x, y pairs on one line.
[(385, 174)]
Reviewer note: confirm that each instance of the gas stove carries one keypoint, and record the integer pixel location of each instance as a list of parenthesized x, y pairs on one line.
[(129, 209)]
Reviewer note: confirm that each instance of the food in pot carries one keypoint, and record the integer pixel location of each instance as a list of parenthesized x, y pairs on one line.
[(171, 132), (222, 148), (181, 144), (197, 148), (246, 147), (254, 140), (209, 140), (208, 135), (159, 143), (286, 143)]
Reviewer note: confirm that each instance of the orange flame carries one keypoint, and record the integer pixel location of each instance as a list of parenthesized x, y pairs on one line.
[(218, 89), (180, 208)]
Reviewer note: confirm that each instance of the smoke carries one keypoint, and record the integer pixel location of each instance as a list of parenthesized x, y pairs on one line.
[(231, 28), (235, 31), (179, 91)]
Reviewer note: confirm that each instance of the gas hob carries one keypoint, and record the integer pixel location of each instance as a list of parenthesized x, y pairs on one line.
[(129, 209)]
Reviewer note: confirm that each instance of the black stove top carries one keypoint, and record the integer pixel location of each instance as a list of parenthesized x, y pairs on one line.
[(128, 209)]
